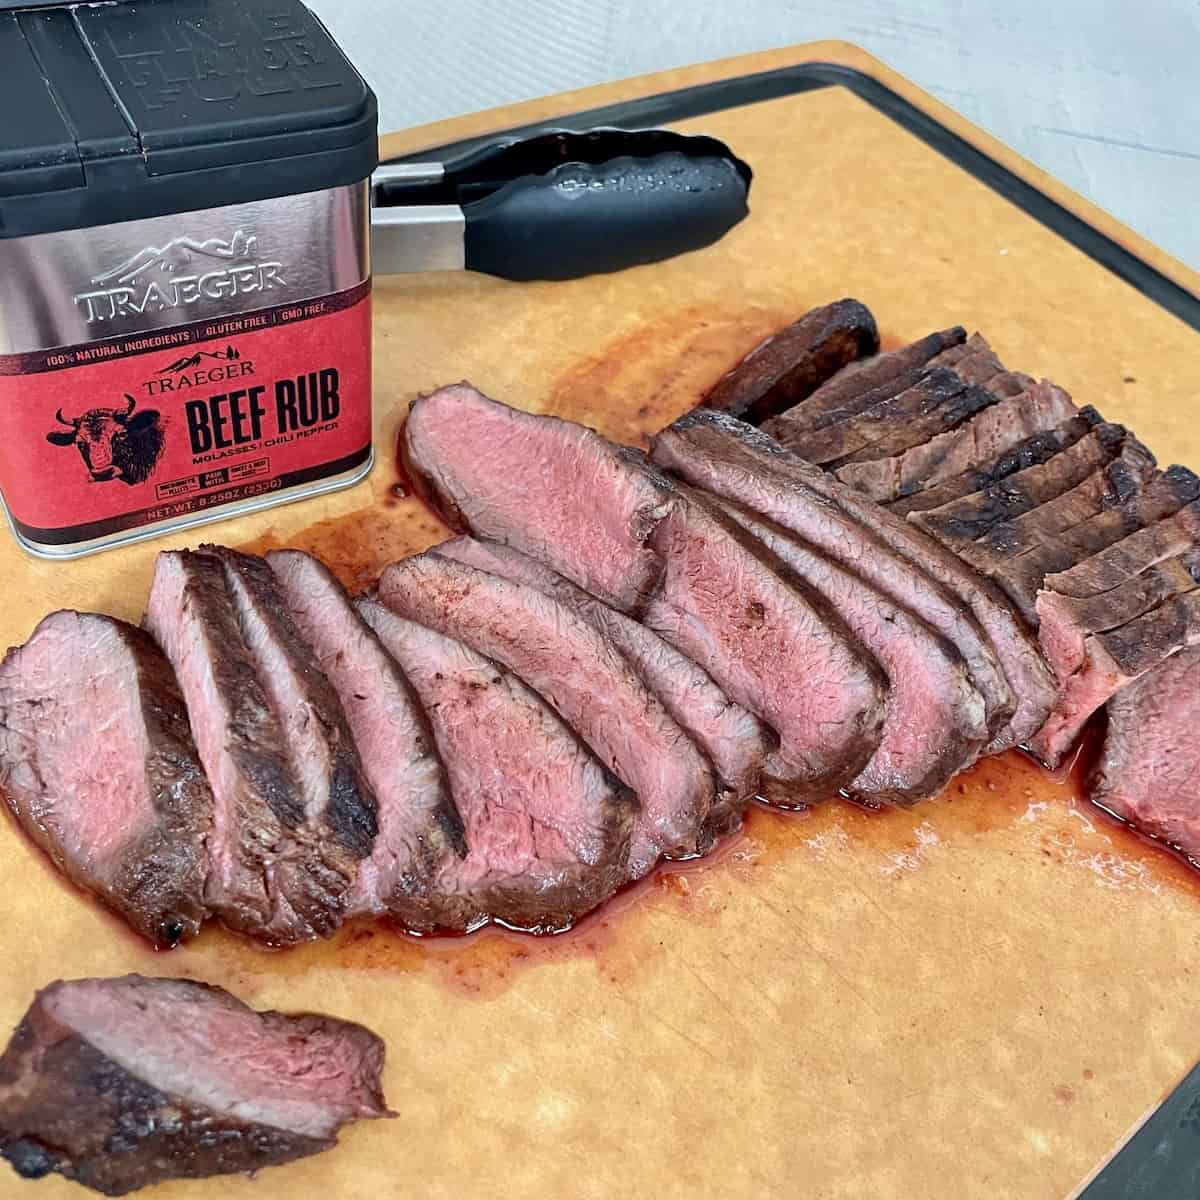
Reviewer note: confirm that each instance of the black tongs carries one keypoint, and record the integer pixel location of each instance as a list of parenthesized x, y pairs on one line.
[(558, 205)]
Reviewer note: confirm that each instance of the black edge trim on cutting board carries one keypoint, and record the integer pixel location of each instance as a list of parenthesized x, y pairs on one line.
[(742, 90)]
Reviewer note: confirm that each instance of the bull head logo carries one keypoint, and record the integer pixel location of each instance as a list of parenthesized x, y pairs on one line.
[(114, 443)]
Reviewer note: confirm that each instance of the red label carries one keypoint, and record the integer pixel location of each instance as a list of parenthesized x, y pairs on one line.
[(109, 436)]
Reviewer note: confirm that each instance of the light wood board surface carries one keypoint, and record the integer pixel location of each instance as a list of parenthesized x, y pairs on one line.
[(973, 999)]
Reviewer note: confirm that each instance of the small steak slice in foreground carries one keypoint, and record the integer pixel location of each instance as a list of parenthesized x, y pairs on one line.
[(1111, 660), (986, 471), (121, 1083), (547, 826), (584, 677), (935, 721), (418, 822), (97, 763), (773, 645), (865, 382), (791, 364), (736, 742), (1149, 770), (522, 480), (272, 875), (731, 459)]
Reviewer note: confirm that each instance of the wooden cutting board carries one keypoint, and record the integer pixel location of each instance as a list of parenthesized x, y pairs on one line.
[(976, 998)]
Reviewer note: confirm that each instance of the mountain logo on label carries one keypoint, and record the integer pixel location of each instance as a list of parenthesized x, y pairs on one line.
[(185, 273)]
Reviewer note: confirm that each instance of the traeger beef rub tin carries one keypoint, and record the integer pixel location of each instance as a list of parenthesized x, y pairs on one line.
[(184, 266)]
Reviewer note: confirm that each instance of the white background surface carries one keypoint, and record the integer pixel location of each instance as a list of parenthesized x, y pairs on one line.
[(1103, 93)]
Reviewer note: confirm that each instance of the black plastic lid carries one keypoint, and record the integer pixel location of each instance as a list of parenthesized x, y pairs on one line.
[(112, 112)]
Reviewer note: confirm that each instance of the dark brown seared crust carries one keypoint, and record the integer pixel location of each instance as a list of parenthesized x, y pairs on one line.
[(350, 815), (1023, 576), (1028, 675), (1114, 565), (974, 360), (861, 384), (159, 886), (1030, 452), (281, 892), (983, 435), (1131, 599), (963, 521), (134, 1134), (938, 401), (1145, 641), (791, 364), (67, 1108), (156, 881), (1116, 483)]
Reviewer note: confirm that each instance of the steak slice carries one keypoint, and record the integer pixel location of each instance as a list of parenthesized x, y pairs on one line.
[(865, 382), (1070, 620), (520, 479), (887, 479), (1149, 770), (419, 825), (980, 438), (938, 399), (121, 1083), (587, 681), (1022, 577), (547, 826), (274, 874), (1113, 566), (338, 802), (791, 364), (1011, 383), (726, 457), (935, 719), (98, 765), (736, 742), (1027, 453), (773, 645), (961, 522), (1115, 483), (1111, 660), (975, 360)]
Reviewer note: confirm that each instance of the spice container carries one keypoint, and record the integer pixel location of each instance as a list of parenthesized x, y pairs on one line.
[(185, 325)]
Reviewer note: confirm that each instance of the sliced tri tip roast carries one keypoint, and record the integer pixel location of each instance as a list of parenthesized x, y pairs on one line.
[(846, 573)]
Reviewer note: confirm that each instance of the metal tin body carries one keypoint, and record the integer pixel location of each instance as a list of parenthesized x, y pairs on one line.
[(160, 373)]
